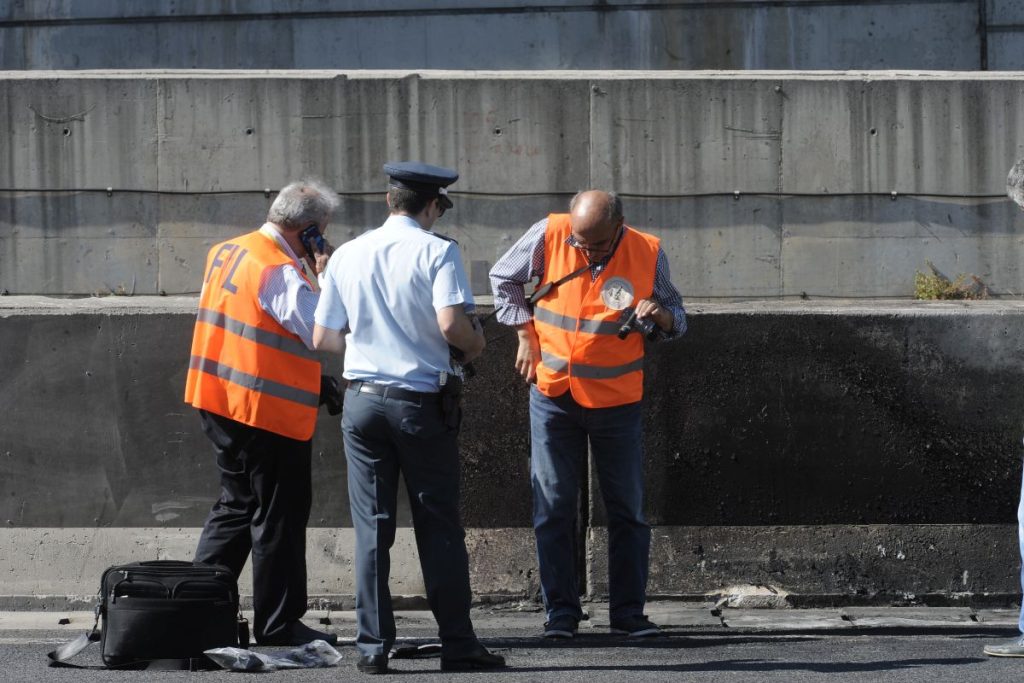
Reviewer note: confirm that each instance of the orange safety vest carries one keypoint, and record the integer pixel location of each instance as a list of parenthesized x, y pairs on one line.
[(578, 321), (245, 365)]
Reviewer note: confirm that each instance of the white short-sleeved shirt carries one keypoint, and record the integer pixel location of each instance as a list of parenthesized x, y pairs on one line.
[(386, 287)]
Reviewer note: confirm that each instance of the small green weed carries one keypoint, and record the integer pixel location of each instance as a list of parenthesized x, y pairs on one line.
[(935, 285)]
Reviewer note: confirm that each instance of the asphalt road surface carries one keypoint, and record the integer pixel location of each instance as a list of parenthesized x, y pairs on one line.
[(699, 653)]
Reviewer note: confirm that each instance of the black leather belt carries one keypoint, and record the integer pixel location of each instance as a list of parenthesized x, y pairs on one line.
[(391, 392)]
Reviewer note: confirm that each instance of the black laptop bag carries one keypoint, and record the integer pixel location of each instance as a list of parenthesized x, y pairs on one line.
[(165, 612)]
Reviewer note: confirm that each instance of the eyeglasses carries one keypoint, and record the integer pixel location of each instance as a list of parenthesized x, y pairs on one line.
[(603, 249)]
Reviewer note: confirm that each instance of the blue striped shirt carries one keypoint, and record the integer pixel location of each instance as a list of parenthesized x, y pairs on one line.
[(525, 261), (286, 295)]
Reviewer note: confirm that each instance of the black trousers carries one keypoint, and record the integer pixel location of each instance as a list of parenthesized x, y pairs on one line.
[(266, 493)]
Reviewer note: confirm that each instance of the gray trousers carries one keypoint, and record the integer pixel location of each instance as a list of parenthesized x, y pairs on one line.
[(385, 438)]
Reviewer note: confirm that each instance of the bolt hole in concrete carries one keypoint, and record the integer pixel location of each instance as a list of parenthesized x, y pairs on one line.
[(248, 131), (67, 132), (497, 131), (873, 131)]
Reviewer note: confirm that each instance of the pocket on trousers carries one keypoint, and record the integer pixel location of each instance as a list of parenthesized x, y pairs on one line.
[(423, 422)]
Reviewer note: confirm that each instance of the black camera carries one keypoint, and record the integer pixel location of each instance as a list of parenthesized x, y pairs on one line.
[(464, 370), (330, 395), (631, 323)]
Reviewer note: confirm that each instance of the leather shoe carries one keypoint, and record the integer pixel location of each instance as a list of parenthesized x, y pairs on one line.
[(373, 664), (297, 633), (481, 659)]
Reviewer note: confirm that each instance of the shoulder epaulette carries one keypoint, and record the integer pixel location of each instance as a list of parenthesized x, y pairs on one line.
[(446, 238)]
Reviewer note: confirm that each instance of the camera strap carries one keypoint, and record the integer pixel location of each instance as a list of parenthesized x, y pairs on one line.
[(546, 288)]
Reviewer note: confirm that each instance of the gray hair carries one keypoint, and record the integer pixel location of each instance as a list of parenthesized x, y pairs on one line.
[(1015, 183), (302, 203), (614, 212)]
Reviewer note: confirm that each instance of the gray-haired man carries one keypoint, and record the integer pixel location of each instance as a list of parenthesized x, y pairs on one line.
[(1015, 648), (256, 382)]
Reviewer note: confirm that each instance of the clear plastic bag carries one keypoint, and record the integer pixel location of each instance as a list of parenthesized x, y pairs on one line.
[(315, 655)]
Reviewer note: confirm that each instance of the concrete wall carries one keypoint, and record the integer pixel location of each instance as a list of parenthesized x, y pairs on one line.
[(815, 159), (850, 453), (497, 34)]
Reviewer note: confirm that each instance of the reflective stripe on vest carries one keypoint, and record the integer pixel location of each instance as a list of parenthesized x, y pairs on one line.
[(578, 330), (274, 341), (591, 371), (244, 364), (264, 386), (569, 323)]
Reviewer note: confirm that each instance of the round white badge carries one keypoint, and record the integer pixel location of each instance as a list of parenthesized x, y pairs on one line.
[(617, 293)]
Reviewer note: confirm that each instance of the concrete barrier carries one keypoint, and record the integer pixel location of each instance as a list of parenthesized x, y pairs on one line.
[(855, 453), (497, 34), (761, 185)]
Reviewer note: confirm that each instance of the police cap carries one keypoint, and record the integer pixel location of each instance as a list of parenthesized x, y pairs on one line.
[(422, 179)]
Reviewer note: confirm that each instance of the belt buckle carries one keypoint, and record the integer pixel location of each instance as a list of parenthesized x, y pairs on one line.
[(372, 389)]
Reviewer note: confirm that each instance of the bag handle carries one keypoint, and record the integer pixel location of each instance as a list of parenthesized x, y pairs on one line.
[(173, 593), (167, 563), (113, 589)]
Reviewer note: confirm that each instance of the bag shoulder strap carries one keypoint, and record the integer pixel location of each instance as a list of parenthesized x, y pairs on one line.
[(546, 288), (60, 656)]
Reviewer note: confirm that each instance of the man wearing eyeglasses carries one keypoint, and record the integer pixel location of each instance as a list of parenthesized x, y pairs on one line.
[(603, 288)]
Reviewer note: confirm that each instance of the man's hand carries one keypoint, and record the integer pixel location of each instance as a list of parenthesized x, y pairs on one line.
[(648, 308), (321, 257), (528, 353)]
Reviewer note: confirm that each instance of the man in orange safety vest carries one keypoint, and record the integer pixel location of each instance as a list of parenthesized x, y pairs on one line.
[(604, 289), (255, 379)]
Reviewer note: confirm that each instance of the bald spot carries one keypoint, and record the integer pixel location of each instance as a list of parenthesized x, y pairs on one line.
[(589, 218)]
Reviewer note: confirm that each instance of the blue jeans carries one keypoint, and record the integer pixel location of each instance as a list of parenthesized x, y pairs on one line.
[(560, 429)]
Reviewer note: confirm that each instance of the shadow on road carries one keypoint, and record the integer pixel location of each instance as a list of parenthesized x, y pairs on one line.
[(753, 665)]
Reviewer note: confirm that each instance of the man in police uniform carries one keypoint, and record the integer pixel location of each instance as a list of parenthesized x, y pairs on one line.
[(588, 384), (393, 301), (256, 381)]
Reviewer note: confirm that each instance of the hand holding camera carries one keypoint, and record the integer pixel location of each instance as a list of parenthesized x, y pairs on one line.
[(645, 319)]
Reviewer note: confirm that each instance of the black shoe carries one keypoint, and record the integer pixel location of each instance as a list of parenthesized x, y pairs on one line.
[(297, 633), (637, 626), (564, 626), (373, 664), (481, 659)]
